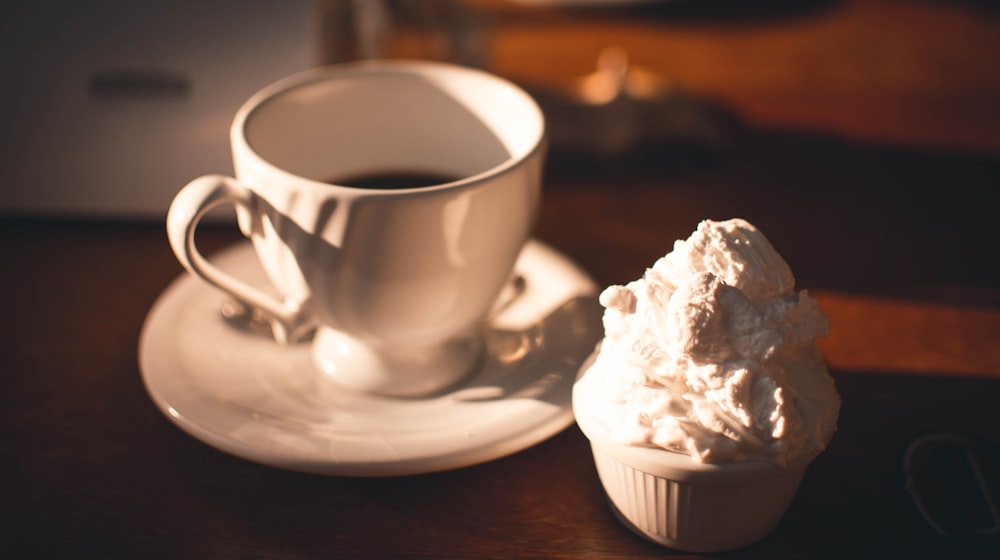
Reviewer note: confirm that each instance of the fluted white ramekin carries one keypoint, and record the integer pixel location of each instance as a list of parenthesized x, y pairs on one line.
[(678, 502)]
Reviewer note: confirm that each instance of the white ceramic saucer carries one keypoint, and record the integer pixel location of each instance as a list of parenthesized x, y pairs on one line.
[(243, 394)]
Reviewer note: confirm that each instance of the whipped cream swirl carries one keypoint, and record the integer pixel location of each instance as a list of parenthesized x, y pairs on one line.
[(712, 353)]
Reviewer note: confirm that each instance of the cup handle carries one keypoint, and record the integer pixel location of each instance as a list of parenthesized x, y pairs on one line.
[(192, 202)]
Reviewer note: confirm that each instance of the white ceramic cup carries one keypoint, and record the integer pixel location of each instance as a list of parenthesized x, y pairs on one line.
[(397, 283)]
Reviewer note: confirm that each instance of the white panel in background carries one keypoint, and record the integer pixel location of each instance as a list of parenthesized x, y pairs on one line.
[(108, 107)]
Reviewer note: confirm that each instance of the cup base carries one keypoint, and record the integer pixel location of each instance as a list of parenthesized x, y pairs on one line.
[(413, 373)]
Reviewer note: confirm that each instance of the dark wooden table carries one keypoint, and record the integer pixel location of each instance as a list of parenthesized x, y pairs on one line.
[(895, 233)]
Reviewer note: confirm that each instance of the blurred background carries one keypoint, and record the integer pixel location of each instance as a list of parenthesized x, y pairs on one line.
[(807, 117), (136, 96), (110, 106)]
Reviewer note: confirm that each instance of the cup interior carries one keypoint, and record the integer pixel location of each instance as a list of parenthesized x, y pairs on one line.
[(424, 118)]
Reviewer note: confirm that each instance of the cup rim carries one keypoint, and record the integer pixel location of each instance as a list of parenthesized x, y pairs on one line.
[(240, 142)]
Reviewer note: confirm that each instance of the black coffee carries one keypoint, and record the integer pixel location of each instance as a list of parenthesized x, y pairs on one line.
[(393, 180)]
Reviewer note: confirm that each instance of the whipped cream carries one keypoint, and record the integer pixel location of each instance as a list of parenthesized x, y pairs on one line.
[(712, 353)]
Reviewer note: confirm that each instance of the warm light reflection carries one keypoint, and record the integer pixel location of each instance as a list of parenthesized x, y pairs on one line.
[(608, 81), (876, 334)]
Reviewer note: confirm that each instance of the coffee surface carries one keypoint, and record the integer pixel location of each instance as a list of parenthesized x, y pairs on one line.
[(393, 180)]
